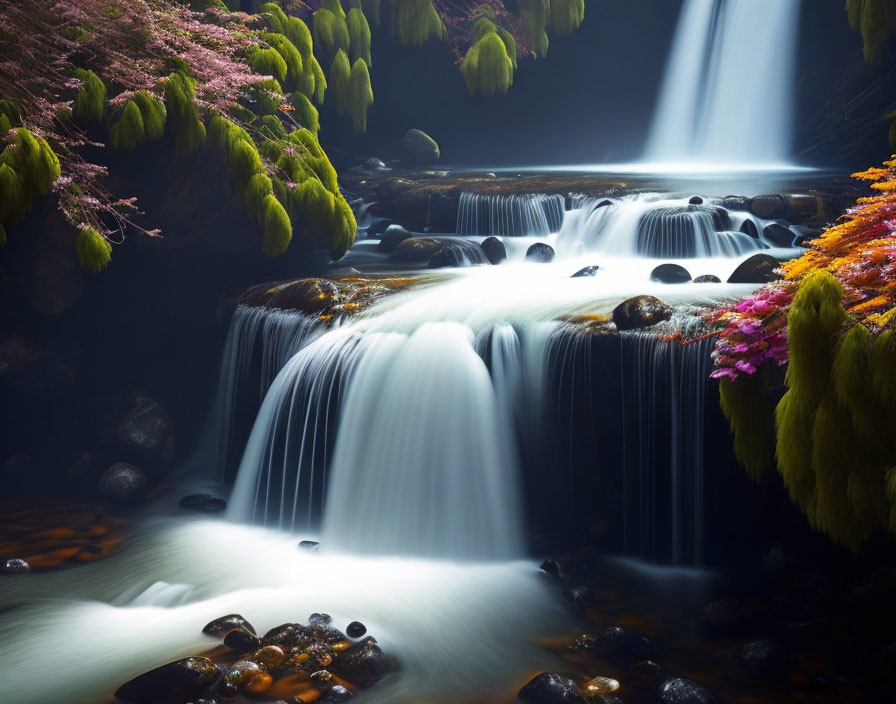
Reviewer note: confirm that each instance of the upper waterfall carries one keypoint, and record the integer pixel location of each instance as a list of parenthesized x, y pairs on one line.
[(727, 94)]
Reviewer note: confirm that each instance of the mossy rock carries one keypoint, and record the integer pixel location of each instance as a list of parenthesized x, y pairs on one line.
[(758, 269), (641, 312), (312, 295), (419, 148), (417, 249)]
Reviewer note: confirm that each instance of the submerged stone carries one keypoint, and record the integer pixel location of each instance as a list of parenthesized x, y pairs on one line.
[(220, 627), (551, 688), (241, 640), (540, 252), (766, 659), (707, 279), (550, 566), (309, 545), (758, 269), (641, 312), (355, 629), (624, 644), (123, 484), (15, 566), (583, 597), (587, 271), (680, 690), (670, 274), (391, 237), (174, 683), (494, 250), (364, 663), (202, 502)]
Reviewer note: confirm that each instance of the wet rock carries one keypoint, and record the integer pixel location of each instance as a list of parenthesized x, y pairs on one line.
[(707, 279), (309, 545), (766, 658), (175, 683), (801, 208), (670, 274), (550, 688), (769, 207), (417, 250), (724, 619), (143, 434), (600, 685), (202, 502), (374, 164), (758, 269), (550, 566), (220, 627), (364, 663), (287, 635), (123, 484), (640, 312), (681, 690), (335, 694), (624, 645), (418, 148), (540, 252), (448, 255), (355, 629), (269, 656), (647, 669), (494, 250), (241, 640), (393, 236), (321, 678), (378, 227), (736, 203), (248, 676), (585, 641), (311, 295), (587, 271), (750, 229), (14, 566), (603, 204), (696, 200), (317, 619), (37, 371), (583, 597), (778, 235)]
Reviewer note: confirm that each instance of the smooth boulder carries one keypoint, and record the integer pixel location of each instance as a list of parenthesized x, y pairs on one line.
[(769, 207), (14, 566), (494, 250), (221, 626), (391, 237), (624, 644), (707, 279), (681, 690), (670, 274), (540, 252), (448, 256), (640, 312), (417, 250), (749, 228), (758, 269), (551, 688), (587, 271), (123, 484), (418, 148), (778, 235), (174, 683), (364, 663)]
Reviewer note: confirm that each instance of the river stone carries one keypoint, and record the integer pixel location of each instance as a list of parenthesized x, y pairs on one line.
[(174, 683), (778, 235), (494, 250), (123, 484), (374, 164), (587, 271), (640, 312), (707, 279), (202, 502), (378, 227), (221, 626), (448, 255), (550, 566), (758, 269), (540, 252), (417, 250), (681, 690), (355, 629), (551, 688), (724, 619), (144, 433), (335, 695), (765, 659), (624, 644), (583, 597), (769, 207), (392, 236), (364, 663), (695, 200), (418, 148), (14, 566), (748, 227), (241, 640), (670, 274), (309, 545), (736, 203)]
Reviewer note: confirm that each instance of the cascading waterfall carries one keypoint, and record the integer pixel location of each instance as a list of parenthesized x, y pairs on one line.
[(509, 215), (727, 95)]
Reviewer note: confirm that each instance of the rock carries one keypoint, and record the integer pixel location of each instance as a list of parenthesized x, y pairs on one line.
[(603, 204), (624, 645), (766, 658), (778, 562), (418, 148), (37, 371), (550, 688), (15, 566), (749, 228), (311, 295), (769, 207), (540, 252), (600, 685), (242, 640), (202, 502), (647, 669), (287, 635), (364, 663), (52, 280), (374, 164), (758, 269), (448, 255), (269, 656), (736, 203), (143, 434), (378, 228), (122, 484), (640, 312), (494, 250), (174, 683), (695, 200), (778, 235), (680, 690), (317, 619), (355, 629), (321, 678), (309, 545), (707, 279), (583, 597), (393, 236), (220, 627), (248, 676), (670, 274), (724, 619), (587, 271), (417, 250), (335, 694), (801, 208), (550, 566)]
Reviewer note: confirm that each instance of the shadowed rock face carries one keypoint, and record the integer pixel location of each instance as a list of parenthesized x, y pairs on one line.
[(640, 312), (758, 269)]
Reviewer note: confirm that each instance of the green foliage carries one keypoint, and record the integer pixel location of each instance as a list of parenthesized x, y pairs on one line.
[(13, 201), (153, 112), (10, 111), (291, 57), (2, 236), (487, 68), (305, 113), (90, 101), (93, 250), (320, 81), (277, 227), (566, 16), (257, 189), (333, 6), (745, 403), (268, 62), (415, 22), (537, 13), (509, 44), (371, 9), (330, 33), (128, 133), (33, 161), (360, 95), (270, 96), (340, 75), (272, 128), (245, 162), (359, 36), (874, 20), (183, 113)]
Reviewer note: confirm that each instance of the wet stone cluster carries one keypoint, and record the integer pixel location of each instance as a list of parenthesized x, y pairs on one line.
[(290, 664)]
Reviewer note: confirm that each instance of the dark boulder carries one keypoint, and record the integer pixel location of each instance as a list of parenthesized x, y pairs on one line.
[(14, 566), (143, 433), (707, 279), (317, 619), (311, 295), (724, 619), (448, 256), (378, 227), (122, 484), (766, 659), (624, 644), (174, 683), (494, 250), (309, 545), (202, 502), (540, 252), (736, 203), (417, 250), (583, 597), (696, 200), (801, 208), (778, 235), (647, 669), (242, 640), (749, 228), (758, 269), (364, 663), (681, 690), (286, 635), (670, 274), (769, 207), (374, 164), (640, 312), (392, 236), (550, 566), (220, 627), (418, 148), (36, 371), (550, 688), (355, 629), (587, 271), (335, 695)]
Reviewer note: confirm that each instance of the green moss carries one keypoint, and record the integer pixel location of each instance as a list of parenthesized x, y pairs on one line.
[(333, 6), (415, 22), (360, 95), (153, 112), (340, 75), (245, 162), (746, 405), (90, 101), (183, 113), (5, 124), (270, 96), (241, 113), (509, 44), (10, 110), (874, 20), (320, 81), (371, 9), (268, 62), (851, 377), (883, 370), (272, 128), (358, 36), (566, 16), (277, 227), (257, 189), (305, 113), (14, 202), (290, 54), (482, 27), (33, 161), (487, 68), (537, 13), (128, 133), (330, 33), (2, 236), (93, 250)]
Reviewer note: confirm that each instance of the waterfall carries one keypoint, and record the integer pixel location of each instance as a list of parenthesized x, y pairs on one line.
[(727, 94), (509, 215)]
